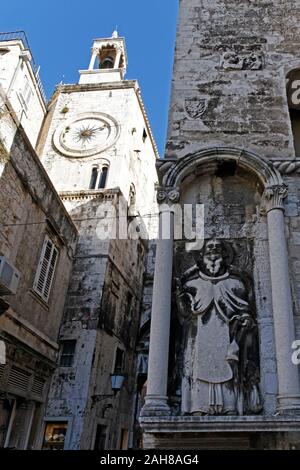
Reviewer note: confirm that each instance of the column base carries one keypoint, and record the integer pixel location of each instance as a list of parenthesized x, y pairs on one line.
[(288, 404), (155, 406)]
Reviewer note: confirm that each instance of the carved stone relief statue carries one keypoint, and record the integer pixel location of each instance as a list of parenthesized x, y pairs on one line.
[(231, 60), (220, 352)]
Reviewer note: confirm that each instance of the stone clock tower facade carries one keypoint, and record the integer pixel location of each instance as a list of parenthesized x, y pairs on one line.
[(226, 313), (98, 149)]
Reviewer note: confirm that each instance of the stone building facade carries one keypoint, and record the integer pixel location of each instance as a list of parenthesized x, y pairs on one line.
[(69, 330), (37, 243), (99, 152), (166, 340), (225, 311)]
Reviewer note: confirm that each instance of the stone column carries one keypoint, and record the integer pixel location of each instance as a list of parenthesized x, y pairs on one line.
[(284, 328), (93, 59), (156, 398), (118, 58)]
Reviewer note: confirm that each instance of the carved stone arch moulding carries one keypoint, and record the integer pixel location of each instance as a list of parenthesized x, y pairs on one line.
[(179, 169), (269, 174)]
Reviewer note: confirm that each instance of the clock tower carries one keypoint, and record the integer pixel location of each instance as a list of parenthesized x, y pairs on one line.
[(97, 134), (98, 149)]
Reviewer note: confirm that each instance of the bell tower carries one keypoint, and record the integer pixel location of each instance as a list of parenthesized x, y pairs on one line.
[(100, 154), (108, 61), (98, 134)]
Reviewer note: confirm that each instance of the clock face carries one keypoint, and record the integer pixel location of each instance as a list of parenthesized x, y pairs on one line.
[(86, 135)]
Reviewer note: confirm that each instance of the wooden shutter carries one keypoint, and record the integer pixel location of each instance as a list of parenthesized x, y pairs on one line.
[(46, 268)]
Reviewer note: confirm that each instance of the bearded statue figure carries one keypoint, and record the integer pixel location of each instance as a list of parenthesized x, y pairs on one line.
[(220, 365)]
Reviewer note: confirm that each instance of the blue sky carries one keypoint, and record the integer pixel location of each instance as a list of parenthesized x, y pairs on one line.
[(60, 34)]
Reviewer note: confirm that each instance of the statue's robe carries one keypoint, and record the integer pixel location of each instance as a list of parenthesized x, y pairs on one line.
[(210, 348)]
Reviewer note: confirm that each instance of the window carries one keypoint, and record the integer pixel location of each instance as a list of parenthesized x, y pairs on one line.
[(119, 359), (46, 269), (103, 177), (100, 440), (99, 178), (67, 353), (55, 435), (129, 299), (94, 177), (26, 93), (145, 135)]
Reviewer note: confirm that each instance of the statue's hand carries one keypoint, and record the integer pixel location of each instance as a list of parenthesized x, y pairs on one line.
[(246, 321), (178, 285)]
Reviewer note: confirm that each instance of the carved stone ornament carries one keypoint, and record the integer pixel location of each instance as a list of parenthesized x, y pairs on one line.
[(168, 195), (231, 60), (287, 167), (195, 107), (274, 196), (220, 364)]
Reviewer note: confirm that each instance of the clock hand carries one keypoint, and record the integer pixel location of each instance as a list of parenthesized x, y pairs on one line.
[(99, 128)]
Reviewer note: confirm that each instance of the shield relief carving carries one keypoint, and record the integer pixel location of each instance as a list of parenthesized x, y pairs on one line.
[(195, 107)]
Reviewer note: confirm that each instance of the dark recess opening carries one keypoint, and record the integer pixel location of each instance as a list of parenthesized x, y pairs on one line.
[(226, 168)]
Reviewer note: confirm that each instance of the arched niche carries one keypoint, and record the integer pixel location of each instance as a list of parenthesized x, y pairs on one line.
[(231, 187), (267, 273)]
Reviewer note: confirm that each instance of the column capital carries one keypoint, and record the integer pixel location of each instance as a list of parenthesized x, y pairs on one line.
[(274, 196), (168, 195)]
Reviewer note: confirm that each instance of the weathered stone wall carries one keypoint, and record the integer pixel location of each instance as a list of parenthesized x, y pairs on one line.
[(97, 317), (30, 208), (229, 89), (292, 208), (229, 85)]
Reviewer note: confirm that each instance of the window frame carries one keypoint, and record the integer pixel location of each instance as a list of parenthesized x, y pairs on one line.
[(72, 355), (100, 176), (46, 265), (26, 93), (120, 369), (98, 171)]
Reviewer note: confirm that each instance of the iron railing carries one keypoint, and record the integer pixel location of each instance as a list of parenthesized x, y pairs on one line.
[(21, 36)]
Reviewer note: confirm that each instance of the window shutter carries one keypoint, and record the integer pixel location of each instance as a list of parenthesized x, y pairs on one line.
[(46, 269)]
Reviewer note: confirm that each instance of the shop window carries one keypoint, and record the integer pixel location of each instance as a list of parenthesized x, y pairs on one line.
[(55, 435)]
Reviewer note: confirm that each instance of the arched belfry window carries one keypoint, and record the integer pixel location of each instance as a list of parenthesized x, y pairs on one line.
[(108, 63), (99, 177), (94, 177), (107, 57), (103, 177), (293, 93)]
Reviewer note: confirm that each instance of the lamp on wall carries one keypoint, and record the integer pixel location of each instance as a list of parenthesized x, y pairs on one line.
[(117, 381)]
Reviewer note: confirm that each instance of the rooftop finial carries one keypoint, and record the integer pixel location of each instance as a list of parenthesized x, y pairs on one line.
[(115, 34)]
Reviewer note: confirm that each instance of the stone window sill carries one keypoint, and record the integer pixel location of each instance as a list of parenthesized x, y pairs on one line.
[(36, 297)]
